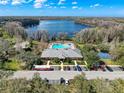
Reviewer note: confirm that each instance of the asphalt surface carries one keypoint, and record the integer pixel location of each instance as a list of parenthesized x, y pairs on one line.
[(56, 75)]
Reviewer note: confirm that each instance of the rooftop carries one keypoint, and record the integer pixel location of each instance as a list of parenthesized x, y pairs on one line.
[(22, 45), (61, 53)]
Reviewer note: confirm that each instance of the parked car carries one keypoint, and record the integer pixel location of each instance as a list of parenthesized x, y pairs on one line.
[(99, 66), (109, 68), (43, 69), (66, 82), (78, 68)]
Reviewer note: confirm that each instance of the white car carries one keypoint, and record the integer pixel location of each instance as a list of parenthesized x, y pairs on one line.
[(66, 82)]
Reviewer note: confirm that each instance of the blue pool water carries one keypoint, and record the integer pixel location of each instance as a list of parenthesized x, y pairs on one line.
[(60, 46)]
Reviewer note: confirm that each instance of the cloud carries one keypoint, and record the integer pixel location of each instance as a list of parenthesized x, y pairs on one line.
[(61, 2), (16, 2), (95, 5), (4, 2), (74, 7), (62, 7), (74, 3), (39, 3)]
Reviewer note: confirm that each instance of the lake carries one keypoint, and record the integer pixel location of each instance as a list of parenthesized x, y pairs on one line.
[(54, 27)]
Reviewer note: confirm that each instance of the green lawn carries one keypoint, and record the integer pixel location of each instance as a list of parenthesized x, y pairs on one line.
[(13, 65)]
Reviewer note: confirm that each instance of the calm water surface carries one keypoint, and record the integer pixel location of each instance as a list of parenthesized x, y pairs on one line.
[(57, 26)]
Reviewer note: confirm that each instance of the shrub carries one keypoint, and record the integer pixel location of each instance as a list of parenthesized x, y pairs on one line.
[(13, 65)]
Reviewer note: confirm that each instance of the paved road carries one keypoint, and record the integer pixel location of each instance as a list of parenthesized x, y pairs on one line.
[(51, 75), (104, 75), (56, 75)]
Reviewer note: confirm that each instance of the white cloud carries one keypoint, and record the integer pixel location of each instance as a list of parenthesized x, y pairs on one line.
[(74, 3), (16, 2), (62, 7), (95, 5), (4, 2), (74, 7), (39, 3), (61, 2)]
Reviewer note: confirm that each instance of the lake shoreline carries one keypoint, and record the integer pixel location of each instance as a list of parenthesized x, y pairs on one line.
[(68, 27)]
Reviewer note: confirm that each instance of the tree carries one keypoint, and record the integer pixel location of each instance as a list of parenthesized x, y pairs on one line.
[(29, 59), (117, 52), (15, 29), (62, 36), (101, 35), (5, 74), (4, 45), (99, 86), (37, 85), (103, 47), (117, 86), (89, 54), (61, 88), (41, 36), (79, 85), (121, 61)]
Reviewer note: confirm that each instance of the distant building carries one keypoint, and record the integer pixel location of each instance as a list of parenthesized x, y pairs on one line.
[(22, 45)]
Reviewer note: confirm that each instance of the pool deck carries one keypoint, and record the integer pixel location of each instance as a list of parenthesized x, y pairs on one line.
[(62, 42)]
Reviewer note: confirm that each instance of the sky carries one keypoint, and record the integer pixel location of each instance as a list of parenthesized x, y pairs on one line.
[(86, 8)]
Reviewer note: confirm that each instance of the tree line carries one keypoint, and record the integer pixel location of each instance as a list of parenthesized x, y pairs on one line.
[(104, 30)]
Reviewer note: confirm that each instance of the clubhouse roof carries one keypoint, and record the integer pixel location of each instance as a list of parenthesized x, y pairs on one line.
[(61, 54)]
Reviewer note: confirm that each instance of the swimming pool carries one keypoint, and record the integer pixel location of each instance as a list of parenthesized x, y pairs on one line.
[(60, 46)]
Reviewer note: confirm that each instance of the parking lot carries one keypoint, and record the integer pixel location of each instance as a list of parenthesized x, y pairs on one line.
[(107, 68), (70, 68)]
